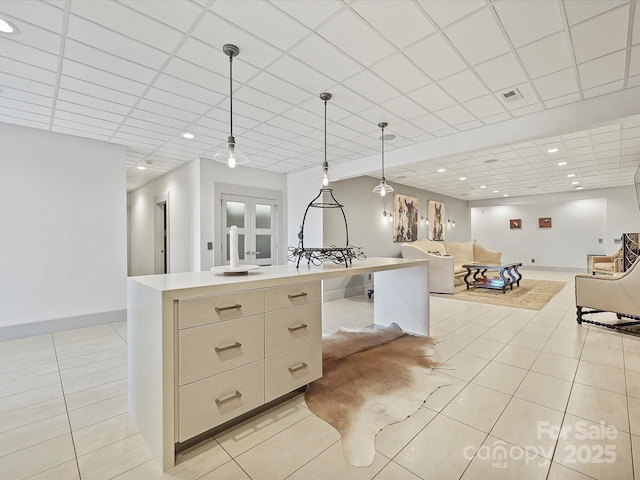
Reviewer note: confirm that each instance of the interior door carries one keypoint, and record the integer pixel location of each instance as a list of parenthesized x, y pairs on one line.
[(256, 221)]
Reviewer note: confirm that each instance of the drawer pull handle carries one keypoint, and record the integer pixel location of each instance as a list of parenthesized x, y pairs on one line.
[(303, 294), (299, 367), (228, 347), (230, 307), (299, 327), (232, 397)]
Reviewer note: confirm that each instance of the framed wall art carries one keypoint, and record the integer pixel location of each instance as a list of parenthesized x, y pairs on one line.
[(515, 223), (405, 218), (544, 222), (436, 215)]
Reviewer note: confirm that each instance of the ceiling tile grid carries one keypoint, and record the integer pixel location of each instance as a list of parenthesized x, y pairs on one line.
[(142, 73)]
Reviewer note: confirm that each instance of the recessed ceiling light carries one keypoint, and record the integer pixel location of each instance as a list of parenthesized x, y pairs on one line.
[(140, 167), (562, 164), (495, 191), (571, 175), (441, 170), (553, 150), (463, 178), (575, 183), (505, 195), (578, 188), (6, 27), (483, 186), (188, 135)]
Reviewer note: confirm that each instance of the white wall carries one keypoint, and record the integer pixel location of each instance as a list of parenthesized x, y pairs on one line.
[(63, 214), (183, 188), (301, 189), (579, 221)]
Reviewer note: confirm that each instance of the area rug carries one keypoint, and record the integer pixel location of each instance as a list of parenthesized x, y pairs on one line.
[(531, 294), (372, 378)]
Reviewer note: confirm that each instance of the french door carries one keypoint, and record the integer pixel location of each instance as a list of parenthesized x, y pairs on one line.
[(256, 221)]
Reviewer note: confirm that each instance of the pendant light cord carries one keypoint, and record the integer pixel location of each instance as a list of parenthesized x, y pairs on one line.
[(231, 94), (325, 135), (382, 138)]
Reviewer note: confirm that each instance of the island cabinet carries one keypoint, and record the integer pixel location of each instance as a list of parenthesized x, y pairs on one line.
[(205, 348), (239, 350)]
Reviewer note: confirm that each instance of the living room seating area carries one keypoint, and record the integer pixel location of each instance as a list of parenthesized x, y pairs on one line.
[(446, 260)]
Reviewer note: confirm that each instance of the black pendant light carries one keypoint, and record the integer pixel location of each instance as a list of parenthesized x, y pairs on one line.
[(231, 155)]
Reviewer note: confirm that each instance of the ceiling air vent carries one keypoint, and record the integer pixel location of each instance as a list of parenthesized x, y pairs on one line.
[(511, 96)]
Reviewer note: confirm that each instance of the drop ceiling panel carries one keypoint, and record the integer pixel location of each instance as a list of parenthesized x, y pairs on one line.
[(197, 75), (28, 97), (371, 87), (101, 77), (463, 86), (557, 84), (546, 56), (402, 23), (404, 108), (501, 72), (98, 91), (432, 97), (526, 22), (311, 14), (588, 43), (259, 18), (78, 101), (26, 54), (579, 11), (444, 12), (178, 14), (109, 41), (217, 32), (27, 71), (298, 73), (39, 13), (270, 84), (602, 70), (435, 57), (128, 22), (484, 106), (477, 37), (86, 119), (350, 34), (399, 72), (314, 50), (18, 106)]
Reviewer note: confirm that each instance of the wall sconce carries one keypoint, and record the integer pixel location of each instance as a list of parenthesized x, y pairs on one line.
[(387, 216), (425, 219), (451, 222)]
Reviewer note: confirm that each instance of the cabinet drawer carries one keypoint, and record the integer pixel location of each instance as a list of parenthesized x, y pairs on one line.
[(292, 369), (215, 400), (216, 308), (292, 327), (292, 295), (215, 348)]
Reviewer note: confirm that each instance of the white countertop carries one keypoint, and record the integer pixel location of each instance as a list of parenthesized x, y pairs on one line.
[(264, 276)]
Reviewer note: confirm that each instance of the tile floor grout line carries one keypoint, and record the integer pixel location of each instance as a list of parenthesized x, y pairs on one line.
[(66, 407)]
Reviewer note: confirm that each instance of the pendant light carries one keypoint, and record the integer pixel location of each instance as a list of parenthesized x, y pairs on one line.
[(383, 188), (326, 178), (231, 155)]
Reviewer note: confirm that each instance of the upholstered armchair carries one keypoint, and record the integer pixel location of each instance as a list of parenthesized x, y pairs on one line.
[(607, 265), (618, 293)]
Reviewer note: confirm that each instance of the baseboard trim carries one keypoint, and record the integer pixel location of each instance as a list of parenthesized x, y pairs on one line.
[(555, 269), (13, 332), (346, 292)]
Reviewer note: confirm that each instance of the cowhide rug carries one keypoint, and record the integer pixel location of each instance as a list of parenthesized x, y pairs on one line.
[(372, 378)]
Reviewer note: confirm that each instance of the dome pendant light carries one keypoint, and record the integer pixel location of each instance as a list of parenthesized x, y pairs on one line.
[(231, 155), (383, 188)]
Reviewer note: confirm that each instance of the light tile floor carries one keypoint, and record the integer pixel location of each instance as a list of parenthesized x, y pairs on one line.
[(533, 395)]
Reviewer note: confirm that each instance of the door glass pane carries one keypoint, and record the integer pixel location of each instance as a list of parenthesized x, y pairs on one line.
[(235, 214), (263, 216), (240, 247), (263, 245)]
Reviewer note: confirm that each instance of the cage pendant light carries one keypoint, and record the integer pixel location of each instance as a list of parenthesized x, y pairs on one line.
[(383, 188), (231, 155)]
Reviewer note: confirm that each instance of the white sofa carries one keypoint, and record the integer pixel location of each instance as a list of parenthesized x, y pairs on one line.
[(446, 260)]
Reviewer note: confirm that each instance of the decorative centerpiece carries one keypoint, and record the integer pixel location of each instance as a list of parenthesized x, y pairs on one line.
[(234, 267)]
